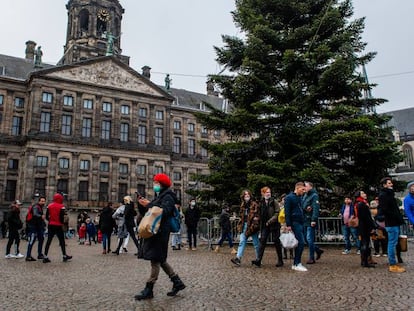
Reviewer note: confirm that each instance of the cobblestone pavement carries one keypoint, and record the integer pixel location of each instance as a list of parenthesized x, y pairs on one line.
[(92, 281)]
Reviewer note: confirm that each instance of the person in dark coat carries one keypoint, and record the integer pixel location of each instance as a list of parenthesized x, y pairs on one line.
[(191, 218), (366, 227), (130, 214), (15, 224), (225, 226), (106, 225), (155, 248)]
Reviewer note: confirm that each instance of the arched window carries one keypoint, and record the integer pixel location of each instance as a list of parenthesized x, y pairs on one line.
[(84, 20), (408, 155)]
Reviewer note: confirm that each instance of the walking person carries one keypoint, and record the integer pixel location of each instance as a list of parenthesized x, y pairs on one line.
[(35, 224), (387, 206), (106, 224), (15, 224), (225, 226), (130, 214), (192, 216), (311, 207), (122, 231), (249, 225), (409, 203), (155, 248), (55, 214), (269, 226), (294, 222), (176, 236)]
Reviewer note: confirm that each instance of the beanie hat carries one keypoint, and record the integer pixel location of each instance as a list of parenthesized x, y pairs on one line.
[(410, 184), (163, 179)]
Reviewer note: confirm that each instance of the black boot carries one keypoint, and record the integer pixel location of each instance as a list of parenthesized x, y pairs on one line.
[(147, 293), (257, 263), (177, 285)]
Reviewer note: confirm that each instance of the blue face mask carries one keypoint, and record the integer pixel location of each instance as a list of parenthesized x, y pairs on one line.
[(157, 188)]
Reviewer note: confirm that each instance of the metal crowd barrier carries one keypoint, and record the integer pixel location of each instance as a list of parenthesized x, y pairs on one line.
[(329, 231)]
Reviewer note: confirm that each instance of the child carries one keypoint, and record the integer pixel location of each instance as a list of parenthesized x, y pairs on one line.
[(82, 233), (90, 230)]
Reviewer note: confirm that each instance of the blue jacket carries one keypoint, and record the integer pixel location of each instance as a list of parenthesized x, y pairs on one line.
[(409, 207), (311, 199), (293, 209)]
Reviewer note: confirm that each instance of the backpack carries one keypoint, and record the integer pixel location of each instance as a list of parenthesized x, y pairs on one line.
[(175, 221), (29, 215)]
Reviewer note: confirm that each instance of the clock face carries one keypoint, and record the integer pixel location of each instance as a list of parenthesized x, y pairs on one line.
[(103, 15)]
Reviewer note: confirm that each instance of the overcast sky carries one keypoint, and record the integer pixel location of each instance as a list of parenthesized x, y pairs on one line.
[(177, 37)]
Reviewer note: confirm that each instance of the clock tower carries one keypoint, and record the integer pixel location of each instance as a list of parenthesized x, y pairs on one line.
[(94, 29)]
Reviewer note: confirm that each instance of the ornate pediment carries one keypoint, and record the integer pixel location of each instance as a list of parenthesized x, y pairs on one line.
[(107, 73)]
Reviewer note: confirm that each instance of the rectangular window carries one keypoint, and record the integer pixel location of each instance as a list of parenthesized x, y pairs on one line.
[(103, 191), (13, 164), (191, 146), (1, 117), (124, 131), (64, 163), (141, 170), (104, 166), (106, 107), (177, 145), (63, 186), (176, 176), (66, 125), (122, 191), (47, 97), (106, 129), (19, 102), (45, 122), (123, 168), (124, 109), (142, 134), (158, 136), (84, 165), (204, 130), (86, 127), (88, 104), (159, 115), (191, 127), (1, 99), (10, 191), (83, 193), (158, 169), (41, 161), (142, 112), (67, 100), (17, 126), (177, 125), (204, 152), (216, 132), (40, 185)]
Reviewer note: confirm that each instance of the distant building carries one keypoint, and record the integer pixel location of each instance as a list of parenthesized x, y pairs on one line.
[(92, 127)]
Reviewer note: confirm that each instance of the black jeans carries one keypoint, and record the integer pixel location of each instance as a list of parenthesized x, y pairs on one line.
[(51, 232), (275, 234), (13, 237), (192, 236)]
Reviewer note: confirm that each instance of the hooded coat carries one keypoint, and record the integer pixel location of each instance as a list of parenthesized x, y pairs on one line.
[(55, 212), (155, 248)]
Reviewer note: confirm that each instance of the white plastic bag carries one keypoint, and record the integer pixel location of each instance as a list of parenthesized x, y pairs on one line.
[(288, 240)]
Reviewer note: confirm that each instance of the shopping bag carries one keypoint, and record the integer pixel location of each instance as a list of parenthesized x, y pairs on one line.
[(288, 240), (150, 223)]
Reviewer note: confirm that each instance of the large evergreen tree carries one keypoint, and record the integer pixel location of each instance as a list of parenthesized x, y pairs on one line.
[(298, 110)]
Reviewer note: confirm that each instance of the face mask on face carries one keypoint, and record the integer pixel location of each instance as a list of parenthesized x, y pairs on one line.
[(157, 188), (192, 204), (267, 196)]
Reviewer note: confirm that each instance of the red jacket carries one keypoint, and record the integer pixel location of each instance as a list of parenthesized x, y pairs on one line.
[(56, 211)]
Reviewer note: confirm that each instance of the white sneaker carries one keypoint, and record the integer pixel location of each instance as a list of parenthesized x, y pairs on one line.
[(346, 252), (19, 255), (8, 256), (358, 252), (299, 267)]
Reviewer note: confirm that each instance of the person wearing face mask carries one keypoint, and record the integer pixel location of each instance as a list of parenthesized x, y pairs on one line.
[(192, 216), (249, 225), (269, 226), (155, 248)]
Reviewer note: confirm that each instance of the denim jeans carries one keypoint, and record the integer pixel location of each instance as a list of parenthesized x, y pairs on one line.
[(243, 241), (298, 231), (226, 235), (393, 233), (106, 241), (310, 239), (347, 232), (176, 239)]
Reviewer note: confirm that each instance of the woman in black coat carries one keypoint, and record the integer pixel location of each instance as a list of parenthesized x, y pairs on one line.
[(155, 248), (106, 225), (366, 227)]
